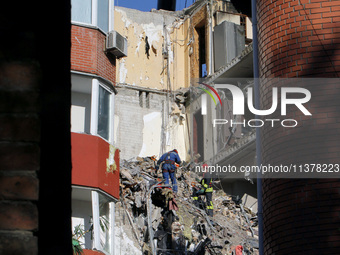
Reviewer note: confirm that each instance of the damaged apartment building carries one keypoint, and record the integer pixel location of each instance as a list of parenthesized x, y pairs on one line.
[(168, 53), (165, 54), (141, 66)]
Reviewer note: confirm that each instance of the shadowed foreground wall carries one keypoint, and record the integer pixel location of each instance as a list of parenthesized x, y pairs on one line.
[(35, 153), (301, 39)]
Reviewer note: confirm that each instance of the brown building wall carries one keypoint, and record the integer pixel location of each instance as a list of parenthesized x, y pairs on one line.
[(301, 39), (88, 53)]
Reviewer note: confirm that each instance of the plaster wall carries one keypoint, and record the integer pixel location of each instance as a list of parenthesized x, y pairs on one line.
[(166, 36)]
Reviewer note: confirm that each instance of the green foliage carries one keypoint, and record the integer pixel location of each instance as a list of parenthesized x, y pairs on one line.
[(77, 249), (80, 232)]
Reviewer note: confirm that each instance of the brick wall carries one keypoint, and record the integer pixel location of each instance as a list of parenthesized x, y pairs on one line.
[(19, 157), (35, 160), (301, 39), (88, 53)]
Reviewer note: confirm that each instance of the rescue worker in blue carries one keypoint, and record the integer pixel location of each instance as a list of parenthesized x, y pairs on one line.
[(169, 160), (207, 189)]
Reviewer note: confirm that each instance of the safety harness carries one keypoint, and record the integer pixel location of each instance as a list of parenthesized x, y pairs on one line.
[(169, 161)]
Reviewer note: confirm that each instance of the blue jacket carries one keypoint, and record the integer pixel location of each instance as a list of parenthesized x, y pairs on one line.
[(169, 158)]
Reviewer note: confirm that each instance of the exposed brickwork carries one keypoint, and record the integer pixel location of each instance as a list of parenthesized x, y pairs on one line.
[(301, 39), (18, 243), (35, 153), (18, 216), (88, 53), (301, 216), (19, 155), (19, 187)]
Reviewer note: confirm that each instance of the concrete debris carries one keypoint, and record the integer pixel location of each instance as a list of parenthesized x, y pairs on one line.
[(173, 223)]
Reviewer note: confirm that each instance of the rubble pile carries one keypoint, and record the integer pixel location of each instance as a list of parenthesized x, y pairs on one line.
[(173, 222)]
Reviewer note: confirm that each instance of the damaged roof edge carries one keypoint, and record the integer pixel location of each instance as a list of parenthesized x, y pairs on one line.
[(140, 88)]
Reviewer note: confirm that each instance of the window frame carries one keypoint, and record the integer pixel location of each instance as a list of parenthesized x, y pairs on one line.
[(95, 110), (92, 197), (96, 223)]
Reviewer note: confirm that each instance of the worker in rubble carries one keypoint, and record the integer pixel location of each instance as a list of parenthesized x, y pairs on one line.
[(207, 189), (195, 195), (169, 160)]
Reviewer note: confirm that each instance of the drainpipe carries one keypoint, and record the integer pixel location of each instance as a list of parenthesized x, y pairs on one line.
[(258, 133), (211, 51)]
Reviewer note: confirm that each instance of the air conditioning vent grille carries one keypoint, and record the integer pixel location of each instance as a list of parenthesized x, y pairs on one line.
[(116, 44)]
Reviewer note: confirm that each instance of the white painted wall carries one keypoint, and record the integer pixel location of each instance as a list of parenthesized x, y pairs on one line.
[(151, 134), (249, 26), (78, 119), (80, 112)]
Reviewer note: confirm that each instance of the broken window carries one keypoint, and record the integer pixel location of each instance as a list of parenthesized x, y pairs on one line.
[(202, 51), (198, 139)]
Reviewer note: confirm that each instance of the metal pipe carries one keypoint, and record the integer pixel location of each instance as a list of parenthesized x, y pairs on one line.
[(211, 51), (258, 133)]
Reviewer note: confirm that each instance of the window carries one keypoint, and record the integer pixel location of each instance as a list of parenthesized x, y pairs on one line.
[(103, 15), (106, 217), (93, 212), (81, 104), (102, 107), (92, 107), (81, 11), (104, 113), (97, 13)]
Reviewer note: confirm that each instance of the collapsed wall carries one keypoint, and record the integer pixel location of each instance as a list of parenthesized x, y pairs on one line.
[(149, 210)]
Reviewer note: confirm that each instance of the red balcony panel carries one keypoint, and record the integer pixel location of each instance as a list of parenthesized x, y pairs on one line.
[(91, 252), (91, 164)]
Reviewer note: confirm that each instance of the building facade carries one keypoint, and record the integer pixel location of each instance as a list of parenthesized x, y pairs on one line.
[(149, 120), (95, 159), (169, 52)]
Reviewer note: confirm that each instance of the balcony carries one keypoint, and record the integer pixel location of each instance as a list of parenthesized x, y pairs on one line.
[(95, 164)]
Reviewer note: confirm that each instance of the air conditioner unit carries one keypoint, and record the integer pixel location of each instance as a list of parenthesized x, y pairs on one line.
[(116, 44)]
